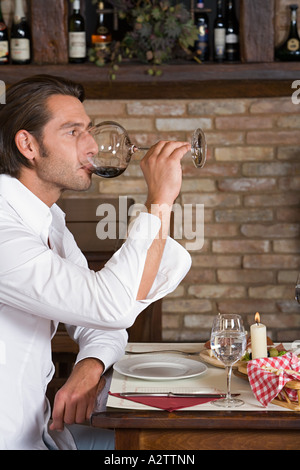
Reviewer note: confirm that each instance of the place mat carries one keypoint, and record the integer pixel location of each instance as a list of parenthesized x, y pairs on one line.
[(167, 403), (214, 380)]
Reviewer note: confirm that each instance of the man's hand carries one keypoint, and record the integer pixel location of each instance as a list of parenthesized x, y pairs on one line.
[(162, 171), (75, 401)]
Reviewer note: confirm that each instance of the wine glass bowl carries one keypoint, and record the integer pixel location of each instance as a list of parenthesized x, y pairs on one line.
[(115, 149), (228, 344)]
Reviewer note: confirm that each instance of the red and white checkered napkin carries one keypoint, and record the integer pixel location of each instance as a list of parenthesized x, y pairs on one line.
[(267, 384)]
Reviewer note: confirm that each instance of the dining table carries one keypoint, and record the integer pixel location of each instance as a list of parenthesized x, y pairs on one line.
[(186, 369)]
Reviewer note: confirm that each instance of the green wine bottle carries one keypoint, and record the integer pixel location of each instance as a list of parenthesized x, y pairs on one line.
[(290, 49), (4, 44), (77, 35), (20, 38)]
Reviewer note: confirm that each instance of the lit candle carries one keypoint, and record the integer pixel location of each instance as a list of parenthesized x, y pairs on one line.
[(258, 338)]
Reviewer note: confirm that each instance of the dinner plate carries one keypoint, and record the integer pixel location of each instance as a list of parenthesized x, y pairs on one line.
[(160, 367)]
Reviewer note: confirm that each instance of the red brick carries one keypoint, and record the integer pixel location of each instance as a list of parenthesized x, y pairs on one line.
[(288, 214), (271, 292), (271, 169), (244, 122), (271, 231), (195, 276), (244, 215), (290, 184), (241, 246), (247, 306), (217, 261), (187, 305), (247, 184), (212, 200), (225, 138), (220, 230), (216, 291), (271, 261), (244, 153), (280, 199), (273, 137), (245, 276)]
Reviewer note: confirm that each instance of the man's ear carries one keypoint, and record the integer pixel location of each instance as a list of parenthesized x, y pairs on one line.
[(26, 144)]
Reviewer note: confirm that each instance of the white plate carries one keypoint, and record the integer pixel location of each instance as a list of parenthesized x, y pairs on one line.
[(160, 367)]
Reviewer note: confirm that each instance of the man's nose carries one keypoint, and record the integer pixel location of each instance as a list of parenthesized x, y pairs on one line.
[(87, 144)]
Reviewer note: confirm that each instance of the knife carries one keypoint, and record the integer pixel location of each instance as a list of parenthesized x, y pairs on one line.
[(172, 394)]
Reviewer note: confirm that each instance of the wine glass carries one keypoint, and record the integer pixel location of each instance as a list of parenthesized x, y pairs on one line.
[(228, 344), (297, 289), (115, 149)]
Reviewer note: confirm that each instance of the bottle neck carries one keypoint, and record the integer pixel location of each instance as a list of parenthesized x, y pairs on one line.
[(293, 27), (230, 6), (19, 11), (219, 9), (76, 7)]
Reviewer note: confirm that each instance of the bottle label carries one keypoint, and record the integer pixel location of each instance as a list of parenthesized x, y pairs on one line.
[(220, 40), (3, 51), (293, 44), (20, 49), (102, 31), (232, 39), (202, 33), (77, 45)]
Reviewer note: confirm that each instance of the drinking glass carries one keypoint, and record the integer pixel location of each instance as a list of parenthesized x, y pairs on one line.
[(297, 289), (228, 343), (115, 149)]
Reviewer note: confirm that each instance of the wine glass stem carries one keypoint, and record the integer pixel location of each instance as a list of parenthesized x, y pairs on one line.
[(229, 371), (134, 149)]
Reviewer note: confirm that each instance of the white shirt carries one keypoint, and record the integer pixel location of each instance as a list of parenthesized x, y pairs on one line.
[(40, 287)]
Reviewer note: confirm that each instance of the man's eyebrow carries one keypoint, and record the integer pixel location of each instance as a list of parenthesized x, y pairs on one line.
[(69, 124)]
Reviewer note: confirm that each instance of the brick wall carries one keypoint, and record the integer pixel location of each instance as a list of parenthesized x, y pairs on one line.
[(250, 190)]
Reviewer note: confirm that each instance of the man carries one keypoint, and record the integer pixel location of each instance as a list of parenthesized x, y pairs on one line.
[(44, 278)]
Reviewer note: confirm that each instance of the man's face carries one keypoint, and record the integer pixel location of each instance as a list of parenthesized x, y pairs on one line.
[(65, 146)]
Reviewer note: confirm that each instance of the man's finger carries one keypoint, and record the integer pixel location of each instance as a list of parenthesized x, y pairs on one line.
[(58, 415)]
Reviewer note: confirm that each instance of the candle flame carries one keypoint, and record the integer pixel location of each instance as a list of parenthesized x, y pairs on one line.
[(257, 318)]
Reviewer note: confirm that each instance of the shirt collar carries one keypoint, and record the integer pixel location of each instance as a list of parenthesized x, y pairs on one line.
[(34, 212)]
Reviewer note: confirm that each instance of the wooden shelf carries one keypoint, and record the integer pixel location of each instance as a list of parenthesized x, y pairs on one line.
[(178, 81)]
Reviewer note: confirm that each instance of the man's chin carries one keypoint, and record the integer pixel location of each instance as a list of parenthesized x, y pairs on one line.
[(81, 184)]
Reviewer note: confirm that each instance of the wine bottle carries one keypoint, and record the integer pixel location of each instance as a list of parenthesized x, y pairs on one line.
[(290, 49), (77, 35), (102, 37), (219, 34), (4, 43), (202, 43), (232, 33), (20, 38)]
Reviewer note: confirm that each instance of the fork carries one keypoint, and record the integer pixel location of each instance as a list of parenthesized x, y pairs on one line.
[(185, 353)]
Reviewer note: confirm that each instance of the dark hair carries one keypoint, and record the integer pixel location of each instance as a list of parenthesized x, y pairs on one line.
[(26, 109)]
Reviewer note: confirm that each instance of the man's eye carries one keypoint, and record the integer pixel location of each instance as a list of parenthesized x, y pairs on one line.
[(73, 132)]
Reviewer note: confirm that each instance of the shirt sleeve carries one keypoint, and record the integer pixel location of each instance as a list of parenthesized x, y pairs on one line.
[(38, 281), (107, 346)]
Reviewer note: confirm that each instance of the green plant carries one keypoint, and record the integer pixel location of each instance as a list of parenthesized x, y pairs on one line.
[(160, 31)]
